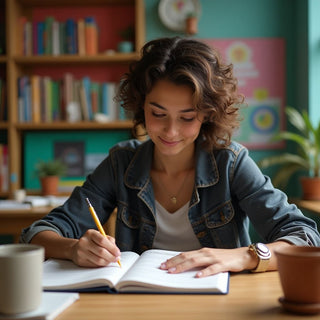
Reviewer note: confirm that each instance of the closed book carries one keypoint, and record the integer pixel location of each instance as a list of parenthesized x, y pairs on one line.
[(91, 36), (55, 38), (71, 36), (48, 35), (40, 38), (81, 38), (35, 98), (87, 88), (55, 94)]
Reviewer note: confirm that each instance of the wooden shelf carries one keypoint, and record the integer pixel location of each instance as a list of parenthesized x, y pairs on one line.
[(83, 125), (75, 59), (109, 63)]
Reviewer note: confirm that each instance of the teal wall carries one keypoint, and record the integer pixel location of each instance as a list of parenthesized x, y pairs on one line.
[(41, 146), (314, 59)]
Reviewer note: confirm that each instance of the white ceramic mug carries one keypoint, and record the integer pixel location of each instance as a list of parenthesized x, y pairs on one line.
[(20, 277)]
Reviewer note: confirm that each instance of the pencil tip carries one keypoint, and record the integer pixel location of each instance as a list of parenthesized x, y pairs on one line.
[(88, 202)]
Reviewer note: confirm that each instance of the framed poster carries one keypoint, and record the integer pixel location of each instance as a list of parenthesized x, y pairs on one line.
[(72, 154), (259, 65)]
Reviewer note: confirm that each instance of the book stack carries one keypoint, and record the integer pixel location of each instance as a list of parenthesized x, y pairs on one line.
[(53, 37), (43, 99)]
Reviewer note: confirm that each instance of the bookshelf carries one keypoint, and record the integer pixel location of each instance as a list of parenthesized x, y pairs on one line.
[(106, 65)]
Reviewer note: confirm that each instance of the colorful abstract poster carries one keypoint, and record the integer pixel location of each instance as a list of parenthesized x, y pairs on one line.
[(259, 65)]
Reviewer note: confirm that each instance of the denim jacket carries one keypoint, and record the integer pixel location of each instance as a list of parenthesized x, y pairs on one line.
[(229, 191)]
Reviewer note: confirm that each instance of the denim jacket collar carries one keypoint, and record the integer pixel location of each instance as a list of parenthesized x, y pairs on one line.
[(138, 171)]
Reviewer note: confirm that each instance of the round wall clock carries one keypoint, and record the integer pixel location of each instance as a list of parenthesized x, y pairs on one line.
[(173, 13)]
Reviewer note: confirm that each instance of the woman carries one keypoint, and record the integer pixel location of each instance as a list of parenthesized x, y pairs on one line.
[(189, 187)]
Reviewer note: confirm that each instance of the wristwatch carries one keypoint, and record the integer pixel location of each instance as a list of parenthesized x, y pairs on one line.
[(262, 252)]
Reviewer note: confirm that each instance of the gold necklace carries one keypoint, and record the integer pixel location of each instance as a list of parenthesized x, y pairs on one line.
[(174, 198)]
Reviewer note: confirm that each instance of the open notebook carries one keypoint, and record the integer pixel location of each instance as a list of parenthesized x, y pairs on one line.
[(137, 274)]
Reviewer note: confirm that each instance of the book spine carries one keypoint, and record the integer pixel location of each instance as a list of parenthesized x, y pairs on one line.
[(4, 168), (55, 100), (86, 84), (62, 37), (34, 38), (111, 104), (27, 100), (40, 38), (81, 37), (70, 34), (94, 93), (91, 36), (35, 98), (21, 34), (28, 38), (55, 38), (48, 34), (104, 98)]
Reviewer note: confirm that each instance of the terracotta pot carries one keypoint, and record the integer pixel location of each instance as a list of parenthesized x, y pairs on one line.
[(191, 25), (310, 188), (299, 271), (49, 185)]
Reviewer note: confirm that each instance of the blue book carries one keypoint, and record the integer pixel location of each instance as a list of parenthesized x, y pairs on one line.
[(104, 98), (87, 85), (40, 35), (71, 37)]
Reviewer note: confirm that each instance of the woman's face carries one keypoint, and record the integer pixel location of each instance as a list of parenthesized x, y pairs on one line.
[(171, 121)]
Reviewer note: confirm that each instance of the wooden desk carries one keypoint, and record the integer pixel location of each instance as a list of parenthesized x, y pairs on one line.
[(13, 221), (310, 205), (251, 296)]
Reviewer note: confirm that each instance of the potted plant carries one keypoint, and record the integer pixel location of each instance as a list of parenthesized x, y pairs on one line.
[(307, 158), (49, 173), (127, 34)]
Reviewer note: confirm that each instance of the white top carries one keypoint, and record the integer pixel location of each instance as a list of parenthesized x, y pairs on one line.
[(174, 231)]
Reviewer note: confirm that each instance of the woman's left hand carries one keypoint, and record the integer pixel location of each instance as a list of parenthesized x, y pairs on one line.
[(213, 261)]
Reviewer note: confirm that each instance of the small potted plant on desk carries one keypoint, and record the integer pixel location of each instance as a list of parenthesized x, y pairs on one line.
[(307, 158), (49, 174)]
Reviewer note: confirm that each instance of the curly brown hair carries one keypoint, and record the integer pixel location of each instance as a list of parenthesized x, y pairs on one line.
[(187, 62)]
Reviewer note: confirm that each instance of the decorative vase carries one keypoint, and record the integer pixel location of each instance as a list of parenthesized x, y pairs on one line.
[(125, 46), (49, 185), (310, 188)]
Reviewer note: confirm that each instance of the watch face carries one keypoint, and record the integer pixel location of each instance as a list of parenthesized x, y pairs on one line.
[(173, 13), (263, 251), (262, 247)]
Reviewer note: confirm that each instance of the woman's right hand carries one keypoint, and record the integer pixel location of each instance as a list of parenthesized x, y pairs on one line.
[(94, 250)]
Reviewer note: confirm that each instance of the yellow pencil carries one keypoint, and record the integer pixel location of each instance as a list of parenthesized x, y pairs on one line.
[(97, 222)]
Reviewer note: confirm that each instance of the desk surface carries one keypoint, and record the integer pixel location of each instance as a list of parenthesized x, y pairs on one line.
[(251, 296), (311, 205)]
